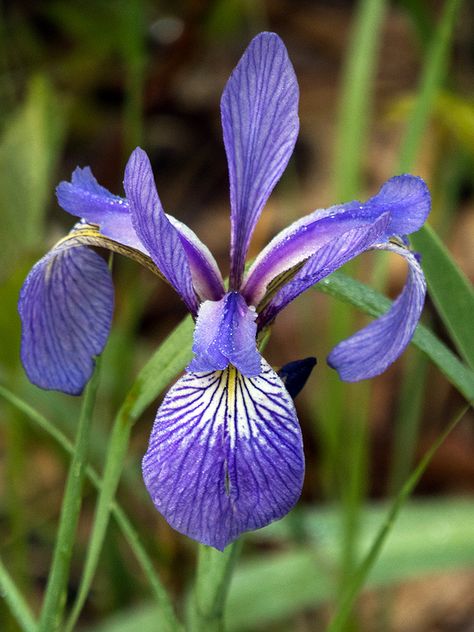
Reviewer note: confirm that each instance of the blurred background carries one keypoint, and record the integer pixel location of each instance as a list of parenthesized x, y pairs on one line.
[(83, 83)]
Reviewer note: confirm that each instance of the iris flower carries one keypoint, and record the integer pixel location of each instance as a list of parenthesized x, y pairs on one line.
[(225, 453)]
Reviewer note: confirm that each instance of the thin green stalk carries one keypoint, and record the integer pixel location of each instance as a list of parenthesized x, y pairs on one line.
[(432, 77), (214, 571), (448, 286), (347, 602), (356, 97), (17, 604), (115, 458), (353, 470), (170, 358), (133, 31), (354, 116), (55, 597), (124, 523), (15, 466), (408, 417)]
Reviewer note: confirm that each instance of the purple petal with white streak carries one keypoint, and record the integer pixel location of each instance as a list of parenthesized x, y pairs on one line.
[(405, 197), (225, 455), (207, 278), (66, 307), (329, 258), (86, 198), (259, 110), (226, 333), (156, 232), (372, 349)]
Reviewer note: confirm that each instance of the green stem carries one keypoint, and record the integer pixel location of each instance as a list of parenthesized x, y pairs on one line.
[(432, 77), (353, 122), (15, 601), (115, 459), (121, 518), (214, 572), (356, 97), (169, 359), (408, 418), (54, 601)]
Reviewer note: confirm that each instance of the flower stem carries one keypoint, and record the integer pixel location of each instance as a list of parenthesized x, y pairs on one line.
[(16, 602), (114, 461), (54, 601), (213, 576), (14, 598)]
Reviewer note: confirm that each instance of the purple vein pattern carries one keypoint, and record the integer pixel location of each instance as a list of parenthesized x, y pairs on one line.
[(225, 453), (259, 109), (239, 441), (66, 308)]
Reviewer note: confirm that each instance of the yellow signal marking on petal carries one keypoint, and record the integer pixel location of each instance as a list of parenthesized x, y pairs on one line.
[(278, 282), (88, 235), (231, 383)]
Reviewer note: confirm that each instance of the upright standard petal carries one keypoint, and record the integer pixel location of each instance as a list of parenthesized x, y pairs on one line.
[(66, 307), (259, 110), (330, 257), (225, 455), (372, 349), (86, 198), (156, 232), (406, 198), (226, 333)]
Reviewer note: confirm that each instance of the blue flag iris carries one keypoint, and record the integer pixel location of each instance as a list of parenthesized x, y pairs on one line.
[(225, 453)]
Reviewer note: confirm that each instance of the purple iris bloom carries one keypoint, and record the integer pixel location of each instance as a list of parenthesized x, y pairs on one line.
[(225, 453)]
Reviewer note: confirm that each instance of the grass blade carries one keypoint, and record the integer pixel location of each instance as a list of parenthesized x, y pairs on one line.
[(450, 290), (165, 607), (54, 600), (433, 74), (448, 286), (15, 601), (375, 304), (169, 360), (340, 619)]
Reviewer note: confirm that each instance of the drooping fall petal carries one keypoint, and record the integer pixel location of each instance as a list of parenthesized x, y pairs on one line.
[(225, 455), (372, 349), (66, 306)]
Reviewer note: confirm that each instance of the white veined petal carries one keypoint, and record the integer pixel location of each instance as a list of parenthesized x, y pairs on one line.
[(225, 454)]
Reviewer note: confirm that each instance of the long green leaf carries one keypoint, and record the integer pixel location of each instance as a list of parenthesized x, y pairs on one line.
[(450, 290), (29, 149), (373, 303), (357, 581), (356, 92), (448, 286), (55, 597), (165, 607), (166, 363), (169, 360), (432, 76), (18, 606)]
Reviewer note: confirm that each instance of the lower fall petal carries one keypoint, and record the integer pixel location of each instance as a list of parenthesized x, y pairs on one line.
[(66, 307), (372, 349), (225, 455)]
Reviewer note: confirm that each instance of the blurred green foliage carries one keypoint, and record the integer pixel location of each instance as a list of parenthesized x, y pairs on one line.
[(83, 83)]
